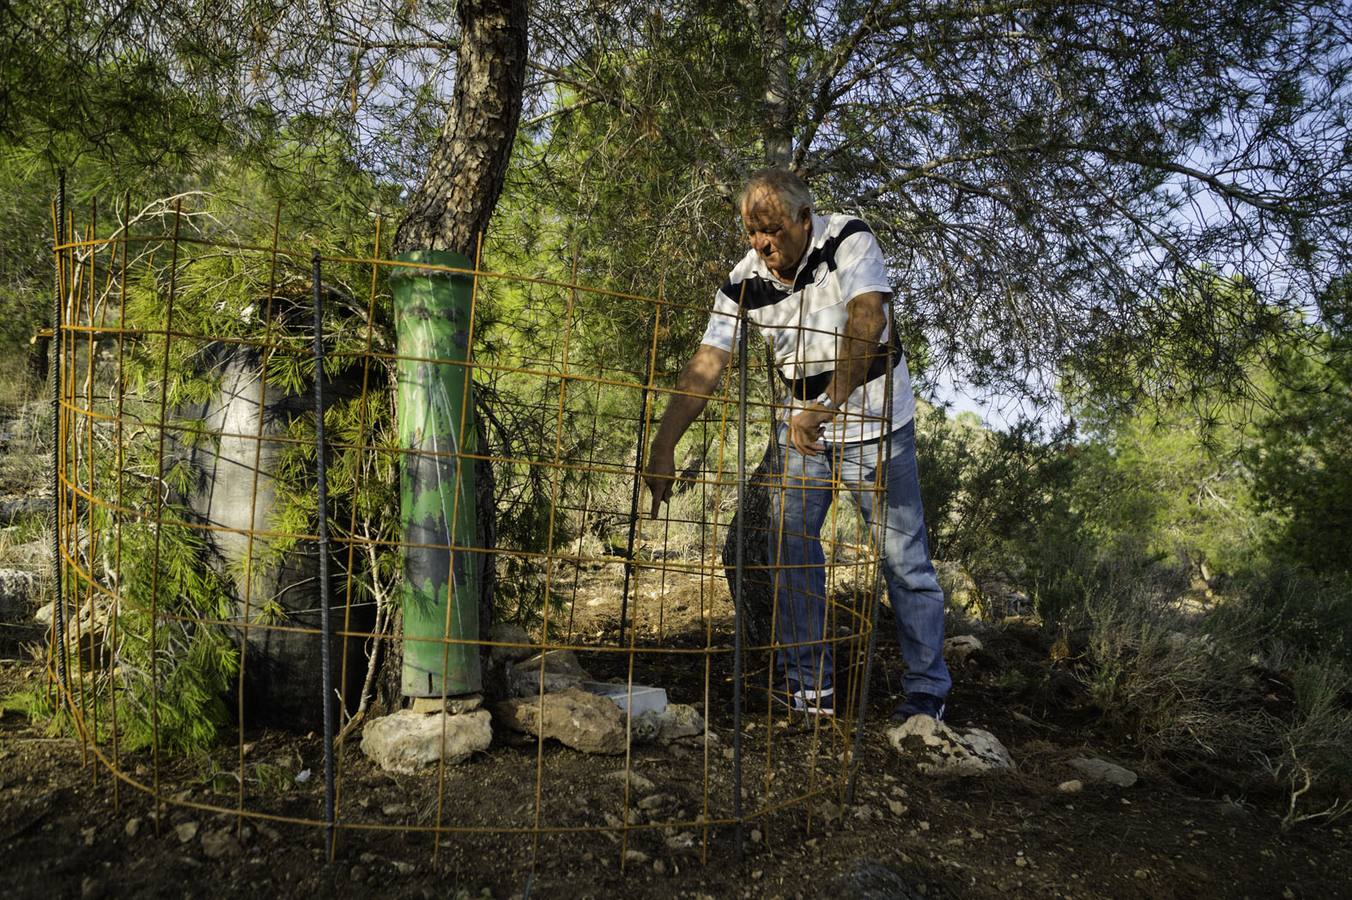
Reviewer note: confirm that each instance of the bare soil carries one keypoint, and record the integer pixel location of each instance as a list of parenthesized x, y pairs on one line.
[(67, 828)]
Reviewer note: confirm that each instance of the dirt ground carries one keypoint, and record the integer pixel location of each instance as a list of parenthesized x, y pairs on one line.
[(65, 831), (68, 828)]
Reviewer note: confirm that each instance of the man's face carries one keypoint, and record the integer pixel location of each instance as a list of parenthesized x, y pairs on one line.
[(777, 237)]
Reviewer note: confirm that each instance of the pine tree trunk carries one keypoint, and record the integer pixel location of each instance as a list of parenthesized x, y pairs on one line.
[(452, 206), (777, 117)]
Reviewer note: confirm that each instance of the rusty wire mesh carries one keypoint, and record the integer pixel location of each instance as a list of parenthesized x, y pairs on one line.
[(145, 345)]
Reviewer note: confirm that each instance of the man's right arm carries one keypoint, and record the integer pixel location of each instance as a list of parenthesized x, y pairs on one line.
[(695, 385)]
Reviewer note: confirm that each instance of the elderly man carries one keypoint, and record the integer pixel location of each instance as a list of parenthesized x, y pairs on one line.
[(817, 288)]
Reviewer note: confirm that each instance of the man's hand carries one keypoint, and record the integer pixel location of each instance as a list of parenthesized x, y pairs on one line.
[(698, 380), (805, 430), (660, 476)]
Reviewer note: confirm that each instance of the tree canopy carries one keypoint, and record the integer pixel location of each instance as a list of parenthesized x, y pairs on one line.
[(1044, 176)]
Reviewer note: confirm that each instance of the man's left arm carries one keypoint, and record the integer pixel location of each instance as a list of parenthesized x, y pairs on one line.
[(866, 317)]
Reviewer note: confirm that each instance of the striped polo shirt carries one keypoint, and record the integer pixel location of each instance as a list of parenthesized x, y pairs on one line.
[(804, 321)]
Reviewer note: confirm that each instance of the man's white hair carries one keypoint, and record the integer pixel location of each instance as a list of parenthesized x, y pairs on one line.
[(792, 191)]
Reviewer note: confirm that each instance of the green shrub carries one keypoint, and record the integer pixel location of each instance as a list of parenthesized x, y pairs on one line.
[(1290, 614)]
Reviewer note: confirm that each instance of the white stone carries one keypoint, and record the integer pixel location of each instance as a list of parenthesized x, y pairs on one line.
[(642, 698), (943, 749), (1074, 786), (408, 741), (1103, 771)]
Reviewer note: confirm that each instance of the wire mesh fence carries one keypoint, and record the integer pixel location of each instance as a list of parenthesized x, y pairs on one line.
[(230, 561)]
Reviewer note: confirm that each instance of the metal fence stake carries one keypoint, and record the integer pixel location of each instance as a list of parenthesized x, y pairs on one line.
[(54, 380), (738, 600), (325, 626)]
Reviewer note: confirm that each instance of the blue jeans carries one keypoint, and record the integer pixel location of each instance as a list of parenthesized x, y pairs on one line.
[(799, 508)]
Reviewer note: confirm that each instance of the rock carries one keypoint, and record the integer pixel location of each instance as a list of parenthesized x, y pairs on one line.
[(454, 705), (91, 888), (943, 749), (615, 822), (573, 717), (1100, 770), (508, 633), (1074, 786), (636, 781), (677, 721), (220, 843), (408, 741), (655, 802), (404, 868), (869, 879), (635, 856), (132, 828), (960, 648), (86, 625), (562, 671), (186, 831), (16, 590), (683, 840), (10, 510)]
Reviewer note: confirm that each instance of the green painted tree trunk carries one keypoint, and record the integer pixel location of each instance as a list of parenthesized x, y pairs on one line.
[(436, 428)]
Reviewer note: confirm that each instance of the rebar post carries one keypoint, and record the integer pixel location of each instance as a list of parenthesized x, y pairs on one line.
[(54, 380), (325, 626), (633, 500), (739, 569)]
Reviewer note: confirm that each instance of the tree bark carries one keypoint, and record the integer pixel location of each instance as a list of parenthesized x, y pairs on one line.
[(778, 120), (452, 206)]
